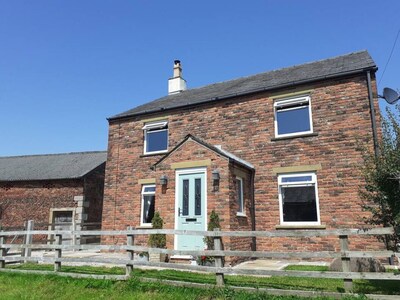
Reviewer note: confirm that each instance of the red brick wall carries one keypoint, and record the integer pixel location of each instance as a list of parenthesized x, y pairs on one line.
[(244, 126), (239, 223), (22, 201), (32, 200), (94, 193)]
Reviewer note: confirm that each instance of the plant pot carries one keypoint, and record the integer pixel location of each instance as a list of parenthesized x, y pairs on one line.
[(210, 264), (157, 257), (142, 258)]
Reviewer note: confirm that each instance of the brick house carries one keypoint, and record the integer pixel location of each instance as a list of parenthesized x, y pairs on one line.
[(272, 151), (53, 188)]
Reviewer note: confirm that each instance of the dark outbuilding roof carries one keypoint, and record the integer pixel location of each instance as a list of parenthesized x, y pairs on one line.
[(50, 166), (355, 62)]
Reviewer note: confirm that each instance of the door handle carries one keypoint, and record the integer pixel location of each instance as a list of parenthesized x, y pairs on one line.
[(179, 211)]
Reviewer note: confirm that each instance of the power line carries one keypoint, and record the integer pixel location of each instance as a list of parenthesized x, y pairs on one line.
[(390, 56)]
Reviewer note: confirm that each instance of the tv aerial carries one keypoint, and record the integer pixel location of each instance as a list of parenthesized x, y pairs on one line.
[(390, 95)]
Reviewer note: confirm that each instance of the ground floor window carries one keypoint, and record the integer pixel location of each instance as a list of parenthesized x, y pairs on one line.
[(148, 199), (239, 196), (298, 199)]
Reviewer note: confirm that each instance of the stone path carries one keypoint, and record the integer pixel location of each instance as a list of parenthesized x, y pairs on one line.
[(259, 264)]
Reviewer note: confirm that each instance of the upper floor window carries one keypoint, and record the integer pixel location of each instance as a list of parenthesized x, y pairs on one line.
[(155, 137), (298, 199), (293, 117)]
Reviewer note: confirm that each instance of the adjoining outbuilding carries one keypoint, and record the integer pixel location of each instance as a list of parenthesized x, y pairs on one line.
[(63, 190)]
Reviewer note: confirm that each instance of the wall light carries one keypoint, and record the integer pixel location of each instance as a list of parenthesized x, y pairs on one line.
[(163, 180)]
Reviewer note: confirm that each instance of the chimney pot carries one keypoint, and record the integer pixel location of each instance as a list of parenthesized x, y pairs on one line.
[(176, 84)]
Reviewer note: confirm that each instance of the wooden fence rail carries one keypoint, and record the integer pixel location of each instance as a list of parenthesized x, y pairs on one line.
[(261, 234), (218, 254)]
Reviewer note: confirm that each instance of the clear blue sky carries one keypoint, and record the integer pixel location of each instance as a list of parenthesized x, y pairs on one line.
[(65, 66)]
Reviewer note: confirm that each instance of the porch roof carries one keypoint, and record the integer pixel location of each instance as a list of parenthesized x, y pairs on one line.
[(217, 149)]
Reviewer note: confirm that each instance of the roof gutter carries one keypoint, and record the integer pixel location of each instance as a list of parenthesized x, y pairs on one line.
[(290, 84), (372, 111)]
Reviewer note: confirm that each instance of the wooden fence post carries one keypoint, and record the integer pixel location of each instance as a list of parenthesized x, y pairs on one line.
[(28, 239), (344, 246), (73, 226), (58, 253), (130, 238), (2, 251), (218, 259)]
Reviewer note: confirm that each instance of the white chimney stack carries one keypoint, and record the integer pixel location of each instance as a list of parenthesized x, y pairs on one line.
[(176, 84)]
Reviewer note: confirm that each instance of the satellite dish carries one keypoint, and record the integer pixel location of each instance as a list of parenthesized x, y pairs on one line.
[(391, 96)]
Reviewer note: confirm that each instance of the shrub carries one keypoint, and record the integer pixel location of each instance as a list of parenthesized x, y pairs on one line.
[(212, 224), (157, 240)]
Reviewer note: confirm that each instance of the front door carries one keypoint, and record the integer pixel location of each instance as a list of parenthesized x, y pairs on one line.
[(191, 209)]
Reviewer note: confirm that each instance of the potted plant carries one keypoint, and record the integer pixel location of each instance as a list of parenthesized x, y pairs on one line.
[(207, 261), (157, 240)]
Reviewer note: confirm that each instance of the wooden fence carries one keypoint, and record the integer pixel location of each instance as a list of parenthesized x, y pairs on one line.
[(218, 253)]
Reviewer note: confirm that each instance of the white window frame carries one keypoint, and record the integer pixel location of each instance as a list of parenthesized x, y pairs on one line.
[(143, 193), (313, 182), (243, 212), (286, 102), (151, 126)]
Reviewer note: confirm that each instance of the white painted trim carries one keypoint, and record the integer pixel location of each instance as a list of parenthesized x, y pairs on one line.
[(142, 193), (189, 171), (176, 256), (313, 182), (151, 126), (280, 102)]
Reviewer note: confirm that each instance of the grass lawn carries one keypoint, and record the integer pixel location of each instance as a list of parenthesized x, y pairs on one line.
[(43, 287), (317, 284)]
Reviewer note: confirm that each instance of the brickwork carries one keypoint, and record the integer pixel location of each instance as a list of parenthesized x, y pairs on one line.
[(22, 201), (94, 193), (33, 200), (245, 127)]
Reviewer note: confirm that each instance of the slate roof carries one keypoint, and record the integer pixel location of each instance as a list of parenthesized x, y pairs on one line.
[(328, 68), (50, 166), (216, 149)]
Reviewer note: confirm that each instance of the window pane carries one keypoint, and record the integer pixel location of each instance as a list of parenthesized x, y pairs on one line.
[(299, 204), (294, 120), (148, 208), (297, 179), (149, 189), (239, 194), (63, 217), (197, 185), (157, 140), (185, 195)]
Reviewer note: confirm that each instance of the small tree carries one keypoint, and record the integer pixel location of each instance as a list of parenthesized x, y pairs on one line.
[(381, 172), (212, 224), (157, 240)]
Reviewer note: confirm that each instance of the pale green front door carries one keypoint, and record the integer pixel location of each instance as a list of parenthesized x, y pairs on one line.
[(191, 210)]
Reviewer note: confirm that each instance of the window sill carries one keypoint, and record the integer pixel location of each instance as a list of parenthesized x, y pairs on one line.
[(294, 137), (290, 227), (145, 227), (184, 257), (239, 214), (153, 154)]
